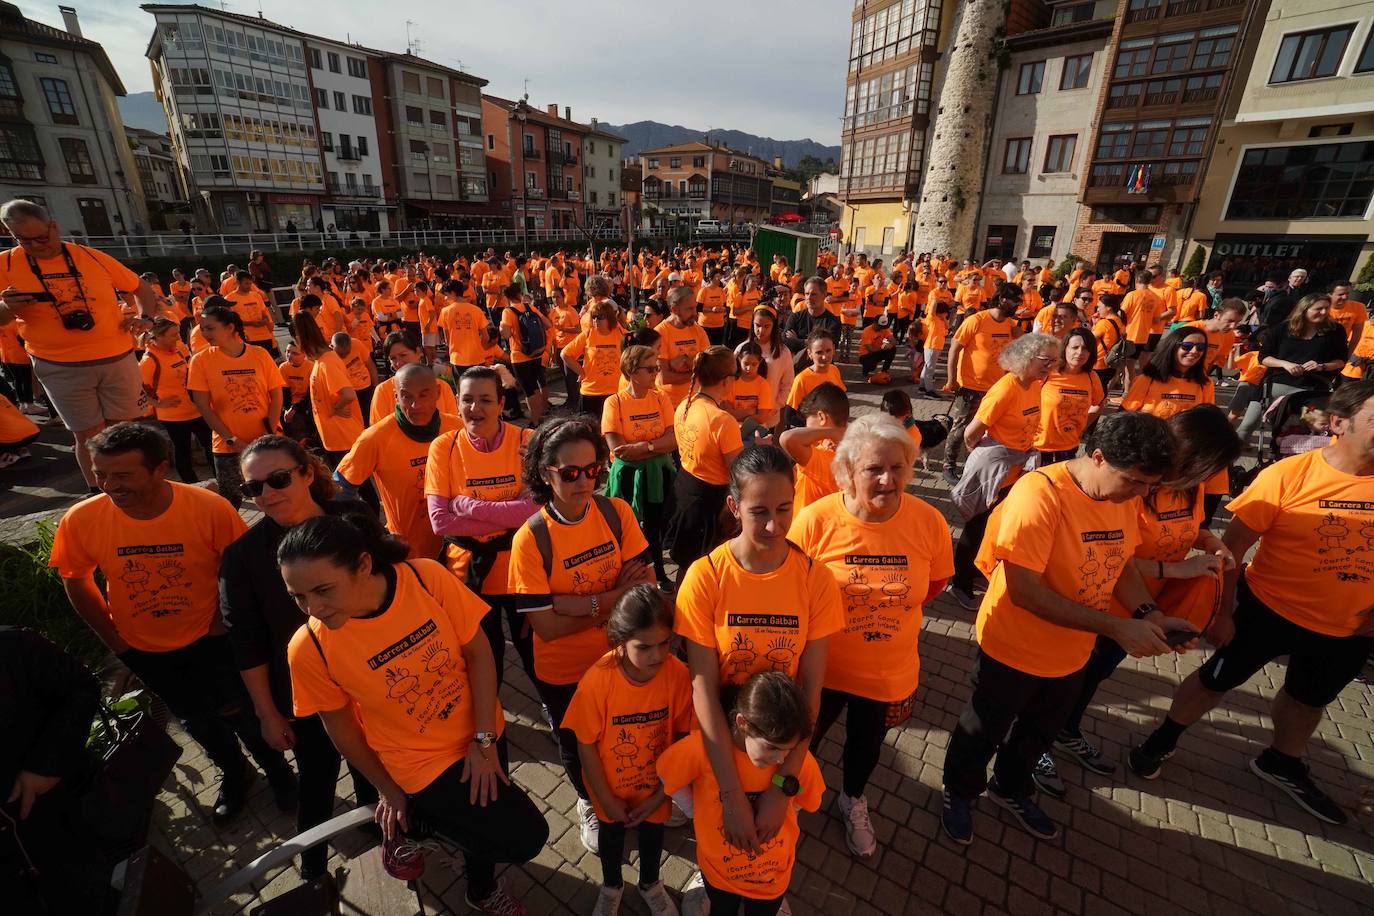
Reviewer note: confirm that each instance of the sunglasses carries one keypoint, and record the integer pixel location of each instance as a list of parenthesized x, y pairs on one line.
[(1192, 346), (571, 473), (277, 480)]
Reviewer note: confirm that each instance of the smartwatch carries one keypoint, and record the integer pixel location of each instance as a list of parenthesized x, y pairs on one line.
[(789, 785), (1145, 609)]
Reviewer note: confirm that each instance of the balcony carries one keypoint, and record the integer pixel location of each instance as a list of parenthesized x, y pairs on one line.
[(558, 194), (534, 193), (568, 158), (575, 196), (361, 192), (1193, 96), (531, 153), (1161, 98), (1183, 8), (347, 154), (1123, 101), (1142, 15)]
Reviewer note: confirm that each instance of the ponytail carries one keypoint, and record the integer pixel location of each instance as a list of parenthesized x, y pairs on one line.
[(710, 367), (343, 540)]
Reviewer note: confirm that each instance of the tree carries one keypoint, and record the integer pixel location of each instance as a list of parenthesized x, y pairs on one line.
[(1194, 265), (809, 167)]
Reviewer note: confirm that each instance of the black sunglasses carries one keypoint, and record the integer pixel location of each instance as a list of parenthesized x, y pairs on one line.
[(277, 480), (570, 473)]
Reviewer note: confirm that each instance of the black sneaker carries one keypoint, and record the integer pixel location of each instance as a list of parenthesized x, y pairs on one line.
[(232, 797), (1086, 753), (957, 818), (1027, 812), (1048, 778), (1146, 765), (1297, 782)]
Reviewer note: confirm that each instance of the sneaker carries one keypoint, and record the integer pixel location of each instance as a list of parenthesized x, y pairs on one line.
[(957, 818), (965, 600), (1086, 753), (858, 829), (232, 797), (950, 477), (1145, 765), (608, 901), (403, 858), (1025, 810), (694, 902), (498, 904), (676, 816), (1048, 778), (588, 826), (1297, 782), (656, 898)]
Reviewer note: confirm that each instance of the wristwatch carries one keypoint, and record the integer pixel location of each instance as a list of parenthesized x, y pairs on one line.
[(484, 740), (1145, 609), (789, 785)]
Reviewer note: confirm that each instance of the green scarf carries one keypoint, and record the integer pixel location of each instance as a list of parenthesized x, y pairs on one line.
[(426, 433)]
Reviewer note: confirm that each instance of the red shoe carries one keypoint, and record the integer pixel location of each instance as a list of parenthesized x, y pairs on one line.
[(403, 858)]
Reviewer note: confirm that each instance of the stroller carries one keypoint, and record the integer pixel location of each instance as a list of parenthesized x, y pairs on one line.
[(1293, 424)]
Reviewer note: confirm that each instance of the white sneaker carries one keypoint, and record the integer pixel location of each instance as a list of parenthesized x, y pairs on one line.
[(694, 902), (588, 826), (656, 896), (676, 816), (608, 901), (784, 910), (858, 829)]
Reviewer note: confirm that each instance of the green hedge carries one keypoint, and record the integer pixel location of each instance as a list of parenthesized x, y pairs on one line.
[(33, 597)]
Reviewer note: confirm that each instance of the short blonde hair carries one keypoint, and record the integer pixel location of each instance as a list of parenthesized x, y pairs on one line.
[(634, 357), (597, 286), (871, 428)]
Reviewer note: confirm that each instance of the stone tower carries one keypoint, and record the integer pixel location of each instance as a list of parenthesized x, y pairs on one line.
[(948, 206)]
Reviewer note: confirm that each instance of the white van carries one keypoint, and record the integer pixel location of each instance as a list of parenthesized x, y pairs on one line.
[(709, 225)]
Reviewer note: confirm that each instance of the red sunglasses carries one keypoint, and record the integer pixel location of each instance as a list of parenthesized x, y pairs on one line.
[(570, 473)]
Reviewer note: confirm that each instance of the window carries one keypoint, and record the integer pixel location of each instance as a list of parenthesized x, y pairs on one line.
[(333, 61), (327, 140), (491, 141), (314, 55), (1310, 55), (1017, 159), (439, 152), (415, 117), (43, 57), (1059, 153), (362, 105), (434, 87), (1187, 141), (1114, 141), (653, 163), (19, 156), (78, 158), (698, 162), (568, 183), (1128, 214), (340, 101), (531, 179), (437, 119), (675, 162), (1149, 144), (1032, 75), (357, 67), (1131, 63), (1079, 12), (1171, 58), (895, 30), (1313, 181), (610, 198), (1212, 52), (1041, 242), (1366, 61), (1000, 242), (362, 146), (60, 103), (410, 82), (1077, 71), (1332, 130)]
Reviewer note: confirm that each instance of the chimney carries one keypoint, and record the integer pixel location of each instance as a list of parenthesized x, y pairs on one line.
[(593, 123), (567, 112), (70, 21), (553, 109)]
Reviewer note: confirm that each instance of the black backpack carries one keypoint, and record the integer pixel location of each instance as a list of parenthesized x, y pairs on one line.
[(532, 336)]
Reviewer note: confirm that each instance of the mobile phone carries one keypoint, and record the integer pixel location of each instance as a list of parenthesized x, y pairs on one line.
[(1176, 638), (40, 296)]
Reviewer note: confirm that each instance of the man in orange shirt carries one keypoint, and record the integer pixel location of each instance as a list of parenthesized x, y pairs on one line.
[(1306, 595), (248, 301), (158, 545), (1057, 550), (1140, 307), (973, 366)]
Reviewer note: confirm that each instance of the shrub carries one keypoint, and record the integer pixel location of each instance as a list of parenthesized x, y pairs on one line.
[(1194, 266), (1066, 266), (33, 597), (1364, 282)]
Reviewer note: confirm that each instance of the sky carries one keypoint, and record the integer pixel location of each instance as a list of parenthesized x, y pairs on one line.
[(723, 64)]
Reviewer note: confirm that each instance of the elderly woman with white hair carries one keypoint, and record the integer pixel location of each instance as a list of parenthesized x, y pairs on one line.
[(889, 552), (1000, 440)]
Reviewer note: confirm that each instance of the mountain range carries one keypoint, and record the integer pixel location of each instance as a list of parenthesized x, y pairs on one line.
[(142, 109)]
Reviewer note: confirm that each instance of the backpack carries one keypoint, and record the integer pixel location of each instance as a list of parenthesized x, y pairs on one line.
[(1119, 351), (539, 527), (532, 336)]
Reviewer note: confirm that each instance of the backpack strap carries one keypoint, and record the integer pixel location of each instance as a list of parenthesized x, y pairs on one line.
[(419, 578), (319, 648), (612, 517), (543, 540)]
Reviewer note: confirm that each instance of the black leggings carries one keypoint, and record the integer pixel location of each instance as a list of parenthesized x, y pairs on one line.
[(317, 763), (725, 903), (507, 829), (521, 635), (557, 698), (966, 548), (870, 362), (181, 432), (592, 404), (865, 730), (1107, 655), (612, 853), (21, 377)]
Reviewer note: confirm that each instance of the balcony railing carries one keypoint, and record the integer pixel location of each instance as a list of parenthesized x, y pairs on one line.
[(575, 196), (343, 189), (1174, 179), (568, 158), (1161, 98), (531, 153), (1142, 15), (1201, 95), (1183, 8), (1123, 101), (558, 194), (534, 193), (347, 154)]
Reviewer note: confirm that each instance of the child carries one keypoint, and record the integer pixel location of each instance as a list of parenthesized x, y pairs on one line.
[(820, 349), (751, 394), (769, 718), (936, 327), (925, 433), (877, 349), (826, 410), (628, 708), (360, 326)]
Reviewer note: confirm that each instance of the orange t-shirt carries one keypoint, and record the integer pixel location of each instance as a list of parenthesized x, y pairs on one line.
[(757, 621), (297, 378), (814, 478), (239, 389), (600, 354), (361, 329), (631, 725), (1079, 545), (402, 671), (711, 300), (674, 342), (102, 279), (510, 318), (327, 379), (456, 468), (1169, 525), (356, 365), (397, 463), (1140, 307), (11, 348), (1011, 412), (807, 380), (884, 571), (387, 309), (751, 394), (586, 561), (251, 306), (1219, 343), (1316, 550), (1364, 347), (1166, 295), (384, 400), (14, 426), (161, 574), (165, 373), (1064, 404), (981, 338), (637, 419), (1252, 371), (565, 325), (936, 327), (1164, 399), (460, 323), (705, 435), (1107, 331), (1191, 306), (765, 873)]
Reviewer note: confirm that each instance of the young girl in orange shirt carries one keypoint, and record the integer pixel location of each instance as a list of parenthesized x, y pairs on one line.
[(628, 708)]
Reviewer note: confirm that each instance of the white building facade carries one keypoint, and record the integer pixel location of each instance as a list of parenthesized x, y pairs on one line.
[(601, 174), (341, 78)]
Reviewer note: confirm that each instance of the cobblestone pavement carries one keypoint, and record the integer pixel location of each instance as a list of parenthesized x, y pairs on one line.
[(1207, 837)]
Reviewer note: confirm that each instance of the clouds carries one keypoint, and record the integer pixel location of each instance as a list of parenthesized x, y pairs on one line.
[(742, 64)]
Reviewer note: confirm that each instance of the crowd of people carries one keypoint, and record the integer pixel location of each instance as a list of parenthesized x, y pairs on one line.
[(700, 551)]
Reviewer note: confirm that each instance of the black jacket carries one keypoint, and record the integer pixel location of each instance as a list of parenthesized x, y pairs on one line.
[(802, 323), (47, 703)]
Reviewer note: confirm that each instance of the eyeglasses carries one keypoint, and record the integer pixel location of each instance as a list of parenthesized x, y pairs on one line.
[(571, 473), (277, 480), (1192, 346)]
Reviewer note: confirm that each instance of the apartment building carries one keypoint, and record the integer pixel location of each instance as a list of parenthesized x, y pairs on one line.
[(786, 194), (61, 138), (534, 162), (340, 77), (601, 152), (704, 180), (163, 192), (1291, 178)]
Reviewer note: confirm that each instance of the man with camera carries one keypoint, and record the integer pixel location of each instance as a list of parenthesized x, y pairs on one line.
[(66, 300)]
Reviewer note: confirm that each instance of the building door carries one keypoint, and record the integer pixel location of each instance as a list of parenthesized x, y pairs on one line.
[(1122, 249), (1000, 243), (94, 216)]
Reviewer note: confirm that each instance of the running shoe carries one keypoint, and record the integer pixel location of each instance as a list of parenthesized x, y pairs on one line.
[(232, 797), (608, 901), (950, 477), (1027, 812), (657, 899), (694, 902), (498, 904), (1047, 777), (1296, 780), (858, 828), (589, 828), (1146, 765), (957, 818), (1086, 753), (965, 600), (403, 858)]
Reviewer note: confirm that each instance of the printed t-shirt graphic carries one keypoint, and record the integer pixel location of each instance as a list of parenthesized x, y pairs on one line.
[(297, 378), (600, 354), (402, 671), (674, 342), (169, 371), (756, 621), (752, 394), (586, 561), (883, 572), (631, 725), (1012, 412), (1065, 401), (99, 276), (637, 419), (1169, 523), (239, 388), (252, 307), (760, 875), (161, 574), (705, 434), (460, 323), (1164, 399)]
